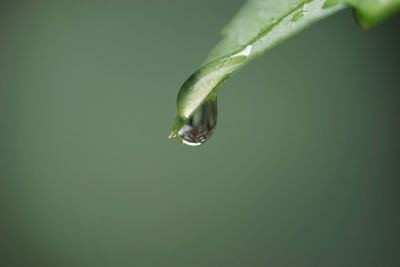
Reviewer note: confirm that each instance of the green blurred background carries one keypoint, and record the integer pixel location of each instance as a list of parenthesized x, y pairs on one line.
[(302, 171)]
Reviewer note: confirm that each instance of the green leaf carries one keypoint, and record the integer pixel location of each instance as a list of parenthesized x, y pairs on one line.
[(371, 12), (259, 26), (275, 20)]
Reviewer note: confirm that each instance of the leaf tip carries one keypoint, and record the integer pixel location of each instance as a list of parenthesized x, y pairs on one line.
[(172, 135)]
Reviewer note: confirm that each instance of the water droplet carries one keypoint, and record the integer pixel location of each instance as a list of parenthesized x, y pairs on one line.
[(201, 125), (298, 16), (330, 3)]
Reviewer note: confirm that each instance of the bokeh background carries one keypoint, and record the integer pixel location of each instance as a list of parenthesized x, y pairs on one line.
[(303, 169)]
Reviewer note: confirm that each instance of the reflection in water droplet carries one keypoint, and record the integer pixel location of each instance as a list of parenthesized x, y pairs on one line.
[(201, 125)]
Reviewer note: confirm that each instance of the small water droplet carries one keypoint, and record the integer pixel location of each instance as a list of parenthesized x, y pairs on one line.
[(201, 125), (330, 3), (298, 16)]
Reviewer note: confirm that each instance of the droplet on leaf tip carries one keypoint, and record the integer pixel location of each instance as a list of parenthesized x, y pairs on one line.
[(200, 126)]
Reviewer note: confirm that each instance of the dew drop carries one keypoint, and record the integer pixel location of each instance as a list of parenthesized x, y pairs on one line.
[(298, 16), (330, 3), (201, 125)]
